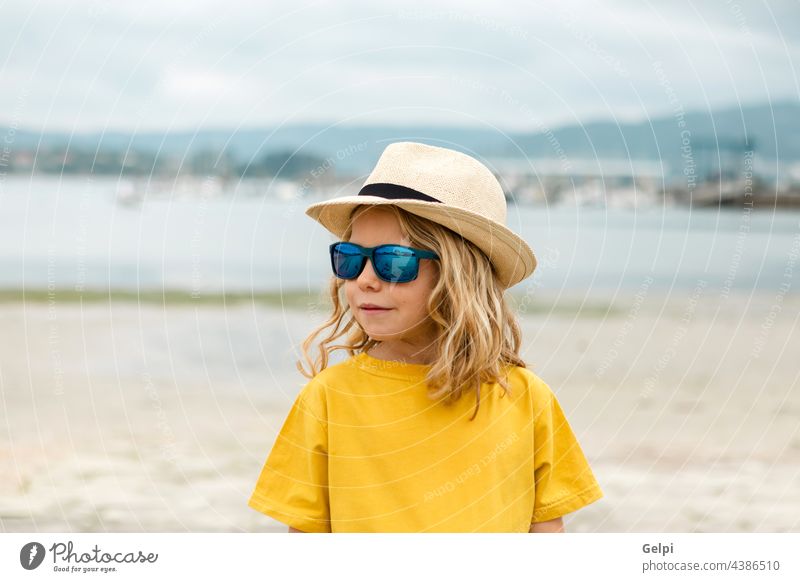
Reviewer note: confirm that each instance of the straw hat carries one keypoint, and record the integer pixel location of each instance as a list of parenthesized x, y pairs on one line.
[(447, 187)]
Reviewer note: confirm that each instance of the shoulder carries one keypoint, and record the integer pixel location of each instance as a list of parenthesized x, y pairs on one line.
[(533, 386), (332, 378)]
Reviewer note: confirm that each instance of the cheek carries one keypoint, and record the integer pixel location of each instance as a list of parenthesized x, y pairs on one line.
[(416, 298), (427, 280), (349, 292)]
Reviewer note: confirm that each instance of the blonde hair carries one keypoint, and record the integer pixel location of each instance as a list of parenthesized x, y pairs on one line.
[(478, 335)]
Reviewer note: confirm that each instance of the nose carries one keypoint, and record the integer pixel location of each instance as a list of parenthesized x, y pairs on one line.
[(368, 278)]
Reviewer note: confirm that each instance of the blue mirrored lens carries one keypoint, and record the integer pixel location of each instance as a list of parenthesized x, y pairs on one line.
[(395, 264), (347, 261)]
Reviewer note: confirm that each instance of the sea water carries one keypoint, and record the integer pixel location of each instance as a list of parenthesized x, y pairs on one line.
[(82, 233)]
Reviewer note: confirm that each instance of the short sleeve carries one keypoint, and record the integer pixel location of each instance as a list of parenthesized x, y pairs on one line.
[(564, 482), (293, 484)]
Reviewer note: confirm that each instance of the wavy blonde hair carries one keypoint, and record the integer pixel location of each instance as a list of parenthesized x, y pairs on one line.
[(478, 334)]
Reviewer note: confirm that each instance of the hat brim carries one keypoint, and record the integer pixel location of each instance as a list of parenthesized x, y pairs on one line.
[(511, 256)]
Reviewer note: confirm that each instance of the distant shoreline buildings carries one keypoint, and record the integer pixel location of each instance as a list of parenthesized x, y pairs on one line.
[(731, 181)]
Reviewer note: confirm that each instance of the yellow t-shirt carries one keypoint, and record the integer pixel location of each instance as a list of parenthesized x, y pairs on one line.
[(364, 449)]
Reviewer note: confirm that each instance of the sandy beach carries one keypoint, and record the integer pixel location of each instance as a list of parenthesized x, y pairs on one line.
[(118, 416)]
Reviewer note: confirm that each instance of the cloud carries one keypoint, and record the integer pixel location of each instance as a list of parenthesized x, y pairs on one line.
[(92, 65)]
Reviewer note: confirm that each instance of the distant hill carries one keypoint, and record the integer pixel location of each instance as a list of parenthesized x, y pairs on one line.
[(773, 129)]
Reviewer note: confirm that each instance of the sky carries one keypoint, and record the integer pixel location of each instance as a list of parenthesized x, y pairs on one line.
[(83, 66)]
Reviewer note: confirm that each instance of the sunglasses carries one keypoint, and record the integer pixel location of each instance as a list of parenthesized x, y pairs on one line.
[(391, 263)]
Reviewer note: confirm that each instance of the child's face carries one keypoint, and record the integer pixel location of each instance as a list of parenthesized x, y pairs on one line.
[(404, 328)]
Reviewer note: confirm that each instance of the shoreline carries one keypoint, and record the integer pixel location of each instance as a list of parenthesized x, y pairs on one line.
[(596, 303)]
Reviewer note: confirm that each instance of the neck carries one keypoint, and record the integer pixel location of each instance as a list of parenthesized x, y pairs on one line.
[(410, 355)]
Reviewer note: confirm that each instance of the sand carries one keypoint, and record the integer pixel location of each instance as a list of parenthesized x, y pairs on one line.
[(125, 417)]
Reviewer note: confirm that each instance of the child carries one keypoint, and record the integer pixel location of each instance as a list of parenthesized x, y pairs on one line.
[(433, 424)]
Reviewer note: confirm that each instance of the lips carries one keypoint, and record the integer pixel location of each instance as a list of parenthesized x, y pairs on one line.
[(371, 307)]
